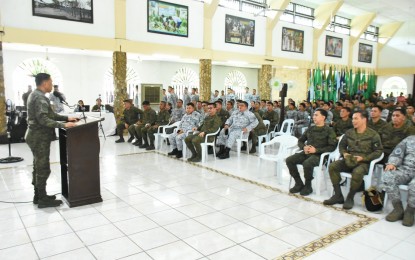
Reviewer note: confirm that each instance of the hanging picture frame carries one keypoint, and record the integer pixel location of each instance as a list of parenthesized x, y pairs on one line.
[(365, 53), (77, 11), (239, 30), (292, 40), (334, 46), (167, 18)]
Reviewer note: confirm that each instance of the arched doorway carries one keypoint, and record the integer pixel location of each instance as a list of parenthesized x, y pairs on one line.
[(133, 86), (184, 77), (396, 85), (236, 80)]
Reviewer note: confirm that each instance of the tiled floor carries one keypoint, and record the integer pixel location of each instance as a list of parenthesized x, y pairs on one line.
[(157, 207)]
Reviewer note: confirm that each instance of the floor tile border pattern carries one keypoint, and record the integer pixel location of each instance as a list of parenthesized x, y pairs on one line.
[(315, 245)]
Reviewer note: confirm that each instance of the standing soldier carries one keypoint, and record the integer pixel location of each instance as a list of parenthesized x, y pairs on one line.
[(230, 97), (358, 147), (186, 97), (131, 116), (25, 95), (163, 118), (42, 122), (172, 97), (189, 121), (247, 97), (271, 116), (215, 97), (320, 139), (255, 97), (194, 97), (210, 124), (149, 119), (240, 121)]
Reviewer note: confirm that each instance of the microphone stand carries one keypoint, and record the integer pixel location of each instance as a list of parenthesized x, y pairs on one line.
[(10, 158), (100, 124), (83, 113)]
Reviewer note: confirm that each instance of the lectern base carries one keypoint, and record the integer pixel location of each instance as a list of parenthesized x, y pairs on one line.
[(77, 203)]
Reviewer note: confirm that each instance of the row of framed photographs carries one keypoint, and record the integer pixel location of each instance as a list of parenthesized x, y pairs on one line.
[(172, 19)]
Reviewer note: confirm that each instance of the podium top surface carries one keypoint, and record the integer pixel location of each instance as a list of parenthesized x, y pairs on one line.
[(86, 121)]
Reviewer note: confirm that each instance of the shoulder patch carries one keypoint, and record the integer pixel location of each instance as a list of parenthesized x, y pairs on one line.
[(398, 151)]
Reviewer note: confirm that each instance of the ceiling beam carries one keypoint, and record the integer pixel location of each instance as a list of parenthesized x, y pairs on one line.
[(358, 26), (120, 21), (209, 11), (272, 22), (386, 32)]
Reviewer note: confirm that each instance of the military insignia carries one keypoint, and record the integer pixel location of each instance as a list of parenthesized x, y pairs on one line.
[(398, 151)]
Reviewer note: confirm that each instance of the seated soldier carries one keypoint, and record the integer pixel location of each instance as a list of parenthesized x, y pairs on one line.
[(344, 123), (272, 116), (320, 139), (400, 170), (259, 130), (222, 113), (229, 107), (149, 119), (163, 118), (291, 113), (178, 112), (98, 106), (301, 120), (240, 121), (358, 147), (210, 124), (131, 116), (189, 121)]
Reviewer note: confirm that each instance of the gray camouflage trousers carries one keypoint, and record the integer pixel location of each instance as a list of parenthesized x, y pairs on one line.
[(402, 176), (176, 140), (229, 139)]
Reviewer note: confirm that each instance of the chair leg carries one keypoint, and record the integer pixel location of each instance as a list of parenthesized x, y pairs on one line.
[(247, 147), (204, 152), (238, 147), (317, 180)]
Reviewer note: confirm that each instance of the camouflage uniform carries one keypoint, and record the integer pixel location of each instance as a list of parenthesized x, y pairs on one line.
[(130, 117), (231, 97), (224, 115), (273, 118), (186, 99), (291, 114), (248, 98), (395, 137), (301, 121), (336, 115), (255, 98), (162, 119), (209, 125), (194, 98), (187, 123), (177, 114), (403, 157), (172, 98), (237, 122), (42, 122), (260, 129), (149, 117), (324, 140), (341, 126)]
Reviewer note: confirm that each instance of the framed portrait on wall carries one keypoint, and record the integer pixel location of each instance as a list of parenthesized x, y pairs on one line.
[(78, 11), (334, 46), (167, 18), (365, 53), (292, 40), (239, 30)]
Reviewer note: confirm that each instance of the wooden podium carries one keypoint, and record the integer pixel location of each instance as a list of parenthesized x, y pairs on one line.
[(79, 156)]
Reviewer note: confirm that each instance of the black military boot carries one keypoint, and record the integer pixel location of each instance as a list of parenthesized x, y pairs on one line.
[(298, 185), (194, 153), (337, 197), (397, 212), (243, 148), (145, 144), (253, 148), (307, 189), (45, 202), (225, 154), (198, 157), (221, 150), (210, 150), (121, 140), (408, 216), (174, 152), (349, 203), (138, 142), (179, 154), (36, 197), (130, 139), (151, 146)]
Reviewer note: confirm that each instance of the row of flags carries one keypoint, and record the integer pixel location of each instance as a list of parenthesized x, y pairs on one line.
[(333, 84)]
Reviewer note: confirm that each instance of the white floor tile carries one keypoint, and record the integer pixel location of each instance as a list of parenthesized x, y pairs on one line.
[(294, 235), (41, 218), (57, 245), (344, 248), (215, 220), (317, 226), (176, 250), (235, 252), (241, 212), (268, 246), (135, 225), (324, 254), (266, 223), (120, 214), (25, 251), (373, 239), (395, 229), (10, 225), (69, 213), (167, 217), (110, 205), (13, 238), (263, 205), (78, 254), (403, 250), (220, 203), (140, 256), (288, 215), (151, 207), (49, 230), (195, 210), (115, 249), (88, 221), (153, 238), (239, 232), (186, 228), (99, 234), (209, 243)]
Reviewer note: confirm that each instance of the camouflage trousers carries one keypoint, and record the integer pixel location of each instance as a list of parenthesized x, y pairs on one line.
[(357, 173), (138, 133), (230, 138), (308, 162), (40, 147), (121, 127), (194, 140), (147, 133), (176, 140), (402, 176)]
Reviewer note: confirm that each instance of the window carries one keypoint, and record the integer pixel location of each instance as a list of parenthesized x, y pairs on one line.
[(247, 6), (133, 80), (394, 85), (236, 80), (298, 14), (184, 77), (371, 34), (339, 24)]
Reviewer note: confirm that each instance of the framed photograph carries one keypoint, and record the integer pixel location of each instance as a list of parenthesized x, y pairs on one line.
[(365, 53), (292, 40), (334, 46), (78, 11), (167, 18), (239, 30)]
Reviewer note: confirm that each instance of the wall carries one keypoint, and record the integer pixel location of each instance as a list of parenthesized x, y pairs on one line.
[(297, 80), (19, 14), (409, 79), (322, 58), (137, 24)]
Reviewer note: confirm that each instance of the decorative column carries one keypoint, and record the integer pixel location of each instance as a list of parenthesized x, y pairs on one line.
[(119, 63), (205, 78), (3, 118), (265, 75)]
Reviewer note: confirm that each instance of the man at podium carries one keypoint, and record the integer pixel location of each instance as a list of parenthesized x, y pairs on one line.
[(42, 121)]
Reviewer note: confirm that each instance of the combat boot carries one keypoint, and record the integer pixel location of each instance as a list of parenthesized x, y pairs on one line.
[(121, 140), (397, 212), (145, 145), (151, 146), (225, 154), (174, 152), (221, 150), (130, 139), (243, 148), (307, 190), (337, 197), (349, 203), (36, 197), (198, 157), (299, 185), (179, 154), (45, 202), (194, 153), (254, 144), (408, 217)]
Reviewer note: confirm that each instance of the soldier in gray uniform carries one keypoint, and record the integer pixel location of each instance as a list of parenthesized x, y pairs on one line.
[(178, 112), (291, 113), (189, 121), (400, 170), (320, 139), (163, 118), (194, 97), (329, 119), (42, 122), (186, 97), (358, 147), (230, 97), (240, 121), (344, 123), (302, 120), (210, 124), (131, 116), (204, 111), (215, 97), (149, 119), (248, 97), (255, 97), (172, 97)]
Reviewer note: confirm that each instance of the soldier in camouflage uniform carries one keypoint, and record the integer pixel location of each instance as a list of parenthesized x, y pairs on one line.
[(210, 124), (222, 113), (131, 116), (320, 139), (344, 123), (178, 112), (149, 119), (291, 113), (383, 128), (42, 122), (240, 121), (230, 97), (272, 116), (172, 97), (248, 97), (301, 121), (204, 111), (163, 118), (329, 119), (194, 97), (189, 121), (186, 97), (259, 130), (255, 97), (400, 170), (358, 147)]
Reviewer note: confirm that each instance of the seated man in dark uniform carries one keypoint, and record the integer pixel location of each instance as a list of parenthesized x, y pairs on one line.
[(131, 116)]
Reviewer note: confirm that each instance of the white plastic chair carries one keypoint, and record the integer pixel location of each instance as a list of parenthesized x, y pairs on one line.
[(286, 128), (206, 144), (243, 138), (287, 146), (163, 135), (184, 151), (266, 136), (403, 190)]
